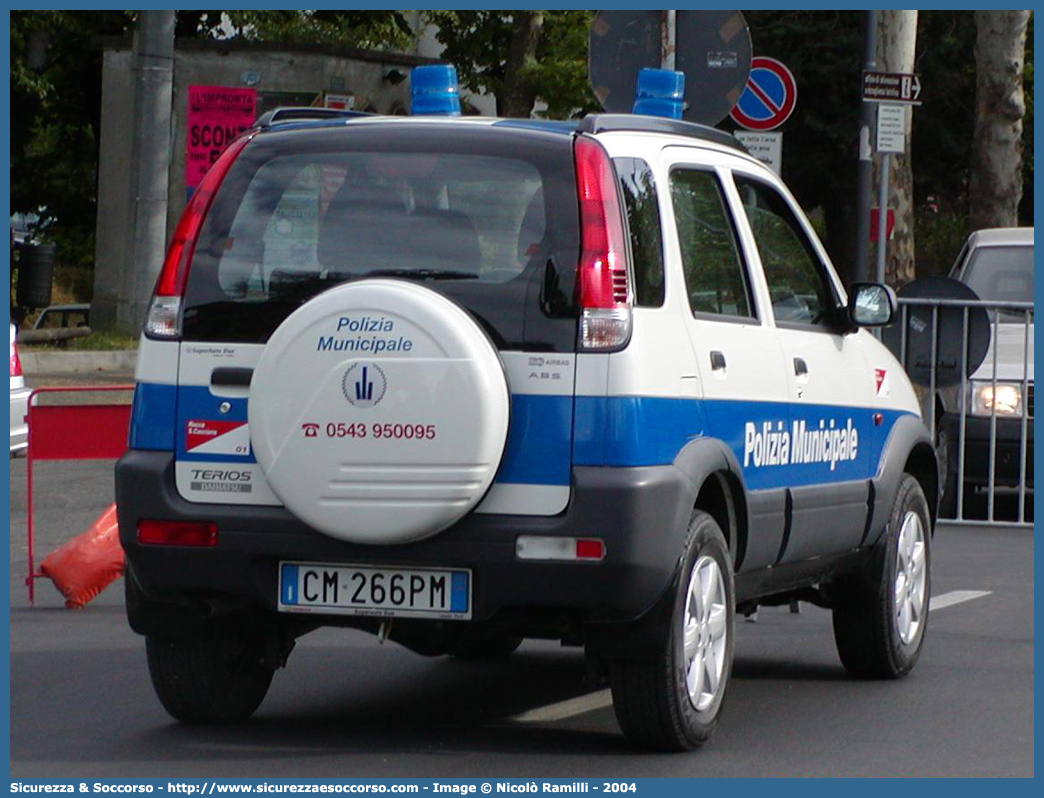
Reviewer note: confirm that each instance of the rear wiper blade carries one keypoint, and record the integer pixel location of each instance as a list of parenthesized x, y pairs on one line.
[(423, 274)]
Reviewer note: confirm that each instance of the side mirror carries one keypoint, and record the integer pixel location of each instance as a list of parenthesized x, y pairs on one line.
[(871, 305)]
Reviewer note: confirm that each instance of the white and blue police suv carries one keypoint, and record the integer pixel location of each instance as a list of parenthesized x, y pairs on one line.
[(460, 382)]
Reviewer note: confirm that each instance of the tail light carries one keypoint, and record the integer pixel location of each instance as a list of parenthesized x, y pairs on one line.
[(177, 533), (164, 316), (603, 287)]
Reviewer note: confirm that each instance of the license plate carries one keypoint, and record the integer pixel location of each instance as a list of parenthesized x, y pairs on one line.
[(373, 590)]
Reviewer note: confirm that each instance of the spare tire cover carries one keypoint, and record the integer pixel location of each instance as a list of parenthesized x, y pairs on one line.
[(379, 412)]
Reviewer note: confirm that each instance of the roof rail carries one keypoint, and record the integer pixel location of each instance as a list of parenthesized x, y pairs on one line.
[(604, 123), (304, 113)]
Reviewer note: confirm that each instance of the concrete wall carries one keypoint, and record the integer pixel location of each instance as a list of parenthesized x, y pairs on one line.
[(307, 71)]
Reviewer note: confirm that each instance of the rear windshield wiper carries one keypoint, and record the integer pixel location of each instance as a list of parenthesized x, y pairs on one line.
[(423, 274)]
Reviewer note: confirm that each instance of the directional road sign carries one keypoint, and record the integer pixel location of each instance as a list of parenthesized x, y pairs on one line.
[(769, 97), (891, 87)]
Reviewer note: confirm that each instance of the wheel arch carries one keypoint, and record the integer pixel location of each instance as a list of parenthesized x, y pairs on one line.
[(719, 489), (922, 464), (908, 449)]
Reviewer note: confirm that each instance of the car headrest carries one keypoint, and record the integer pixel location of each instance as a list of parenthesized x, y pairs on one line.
[(358, 226)]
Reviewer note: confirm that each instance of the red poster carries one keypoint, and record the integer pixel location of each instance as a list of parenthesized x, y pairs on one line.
[(216, 116)]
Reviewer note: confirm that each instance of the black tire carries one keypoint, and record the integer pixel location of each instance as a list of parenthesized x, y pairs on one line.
[(650, 696), (872, 638), (213, 677), (946, 452)]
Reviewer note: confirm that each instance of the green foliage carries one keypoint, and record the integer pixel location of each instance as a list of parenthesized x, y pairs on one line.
[(368, 29), (477, 43), (940, 236), (824, 50), (56, 89), (56, 66), (943, 125)]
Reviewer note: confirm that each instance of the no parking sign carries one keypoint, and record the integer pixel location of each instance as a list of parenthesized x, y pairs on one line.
[(769, 97)]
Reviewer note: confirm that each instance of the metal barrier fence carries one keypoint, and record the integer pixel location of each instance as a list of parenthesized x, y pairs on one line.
[(972, 365)]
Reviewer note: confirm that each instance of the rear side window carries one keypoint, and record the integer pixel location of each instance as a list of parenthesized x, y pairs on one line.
[(715, 275), (643, 224)]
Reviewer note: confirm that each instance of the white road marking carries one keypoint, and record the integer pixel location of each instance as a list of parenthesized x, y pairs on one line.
[(955, 597), (567, 709)]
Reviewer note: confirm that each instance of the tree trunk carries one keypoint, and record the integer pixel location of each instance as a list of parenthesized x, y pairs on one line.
[(896, 44), (995, 187), (518, 95)]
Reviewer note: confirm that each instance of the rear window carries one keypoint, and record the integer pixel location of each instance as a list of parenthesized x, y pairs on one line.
[(286, 227)]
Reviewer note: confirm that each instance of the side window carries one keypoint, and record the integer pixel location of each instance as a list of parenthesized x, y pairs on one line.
[(643, 223), (715, 275), (800, 290)]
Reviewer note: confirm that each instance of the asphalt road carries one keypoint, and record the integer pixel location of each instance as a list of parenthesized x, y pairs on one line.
[(82, 704)]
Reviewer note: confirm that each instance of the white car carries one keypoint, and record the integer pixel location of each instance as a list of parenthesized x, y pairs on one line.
[(19, 400), (997, 264), (461, 381)]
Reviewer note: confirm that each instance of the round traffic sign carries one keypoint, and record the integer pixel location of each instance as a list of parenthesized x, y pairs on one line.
[(769, 98)]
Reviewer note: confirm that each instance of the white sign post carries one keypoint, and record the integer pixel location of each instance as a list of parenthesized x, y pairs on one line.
[(891, 127), (767, 147), (891, 137)]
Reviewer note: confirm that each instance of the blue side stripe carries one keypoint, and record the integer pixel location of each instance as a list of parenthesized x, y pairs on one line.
[(546, 438), (633, 430), (152, 416), (539, 441), (645, 431)]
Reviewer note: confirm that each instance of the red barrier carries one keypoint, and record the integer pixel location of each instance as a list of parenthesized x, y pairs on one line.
[(70, 432)]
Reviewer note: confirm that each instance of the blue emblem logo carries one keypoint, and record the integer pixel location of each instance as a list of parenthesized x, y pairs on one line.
[(364, 384)]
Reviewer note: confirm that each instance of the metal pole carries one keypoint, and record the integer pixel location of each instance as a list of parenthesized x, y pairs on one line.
[(151, 151), (994, 345), (882, 218), (865, 185), (668, 40)]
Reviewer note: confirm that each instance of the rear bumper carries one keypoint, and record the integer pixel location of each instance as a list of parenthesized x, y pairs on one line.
[(641, 513), (1007, 464), (19, 429)]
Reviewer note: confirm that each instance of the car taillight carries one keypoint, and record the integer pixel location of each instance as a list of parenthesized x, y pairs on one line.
[(177, 533), (163, 319), (603, 288), (16, 364)]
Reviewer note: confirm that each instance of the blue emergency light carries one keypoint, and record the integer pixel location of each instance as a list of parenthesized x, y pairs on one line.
[(659, 92), (434, 90)]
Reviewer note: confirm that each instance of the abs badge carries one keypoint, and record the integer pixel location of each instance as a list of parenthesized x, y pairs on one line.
[(364, 384)]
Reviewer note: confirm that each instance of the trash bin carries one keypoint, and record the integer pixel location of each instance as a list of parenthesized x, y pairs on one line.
[(35, 274)]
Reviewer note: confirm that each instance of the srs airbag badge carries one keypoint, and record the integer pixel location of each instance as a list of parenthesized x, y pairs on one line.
[(364, 384)]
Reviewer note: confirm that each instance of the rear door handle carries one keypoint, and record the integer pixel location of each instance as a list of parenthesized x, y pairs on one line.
[(717, 360), (800, 367), (231, 377)]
